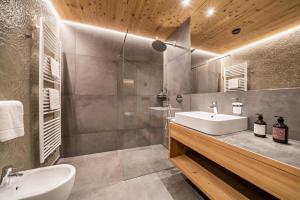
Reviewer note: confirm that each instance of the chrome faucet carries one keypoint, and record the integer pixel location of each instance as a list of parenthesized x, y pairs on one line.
[(7, 172), (214, 106)]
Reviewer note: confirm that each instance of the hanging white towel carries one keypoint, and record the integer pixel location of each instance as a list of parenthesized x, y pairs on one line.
[(11, 120), (234, 83), (54, 68), (54, 99)]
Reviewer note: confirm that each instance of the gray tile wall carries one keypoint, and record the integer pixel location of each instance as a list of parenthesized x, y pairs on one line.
[(105, 100), (177, 62), (207, 77), (200, 57)]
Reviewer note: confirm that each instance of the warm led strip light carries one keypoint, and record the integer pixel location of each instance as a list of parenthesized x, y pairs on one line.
[(104, 29), (52, 8), (209, 53)]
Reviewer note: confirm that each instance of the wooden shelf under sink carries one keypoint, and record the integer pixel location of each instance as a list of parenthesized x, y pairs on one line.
[(267, 178), (207, 182)]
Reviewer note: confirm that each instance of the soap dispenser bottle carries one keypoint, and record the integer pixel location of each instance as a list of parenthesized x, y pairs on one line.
[(260, 127), (237, 107), (280, 131)]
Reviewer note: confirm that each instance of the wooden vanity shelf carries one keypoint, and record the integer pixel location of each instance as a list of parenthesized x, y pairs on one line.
[(207, 182), (223, 171)]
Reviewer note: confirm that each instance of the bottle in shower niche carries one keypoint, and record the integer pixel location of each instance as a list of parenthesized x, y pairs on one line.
[(260, 127), (280, 131)]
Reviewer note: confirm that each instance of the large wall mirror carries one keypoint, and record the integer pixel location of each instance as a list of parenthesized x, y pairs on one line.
[(272, 64)]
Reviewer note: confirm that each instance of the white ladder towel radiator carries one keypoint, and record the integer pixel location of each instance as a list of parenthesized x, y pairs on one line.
[(49, 120)]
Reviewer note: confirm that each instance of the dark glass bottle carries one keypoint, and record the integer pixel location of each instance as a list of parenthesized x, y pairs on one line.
[(280, 131), (260, 127)]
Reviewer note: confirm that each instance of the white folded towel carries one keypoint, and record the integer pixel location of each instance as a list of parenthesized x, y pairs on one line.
[(54, 99), (11, 120), (54, 68)]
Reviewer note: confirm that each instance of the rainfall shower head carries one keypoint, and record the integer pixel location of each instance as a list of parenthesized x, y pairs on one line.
[(159, 45)]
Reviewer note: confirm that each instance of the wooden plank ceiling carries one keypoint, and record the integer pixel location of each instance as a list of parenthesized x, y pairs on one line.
[(159, 18)]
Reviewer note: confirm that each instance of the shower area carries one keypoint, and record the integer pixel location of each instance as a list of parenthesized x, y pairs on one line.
[(111, 80), (116, 84)]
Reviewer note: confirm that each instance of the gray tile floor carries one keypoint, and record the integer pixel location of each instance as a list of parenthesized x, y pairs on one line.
[(142, 173)]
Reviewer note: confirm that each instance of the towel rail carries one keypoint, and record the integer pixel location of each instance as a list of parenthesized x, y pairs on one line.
[(49, 131), (236, 71), (49, 120)]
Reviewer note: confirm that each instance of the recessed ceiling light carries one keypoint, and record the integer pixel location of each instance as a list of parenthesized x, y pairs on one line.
[(185, 3), (210, 12), (236, 31)]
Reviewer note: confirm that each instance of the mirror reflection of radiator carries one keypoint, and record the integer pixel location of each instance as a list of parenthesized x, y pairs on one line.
[(49, 88), (235, 77)]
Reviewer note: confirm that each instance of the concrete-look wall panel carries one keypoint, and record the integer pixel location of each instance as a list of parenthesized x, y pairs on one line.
[(69, 73), (68, 38), (95, 76), (96, 113), (177, 62), (100, 43)]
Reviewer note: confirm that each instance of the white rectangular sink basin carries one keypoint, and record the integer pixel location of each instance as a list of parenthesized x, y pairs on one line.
[(212, 124)]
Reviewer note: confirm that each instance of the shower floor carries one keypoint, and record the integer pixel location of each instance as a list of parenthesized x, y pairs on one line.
[(143, 173)]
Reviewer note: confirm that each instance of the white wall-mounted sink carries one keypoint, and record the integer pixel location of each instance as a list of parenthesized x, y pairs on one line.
[(212, 124), (46, 183)]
